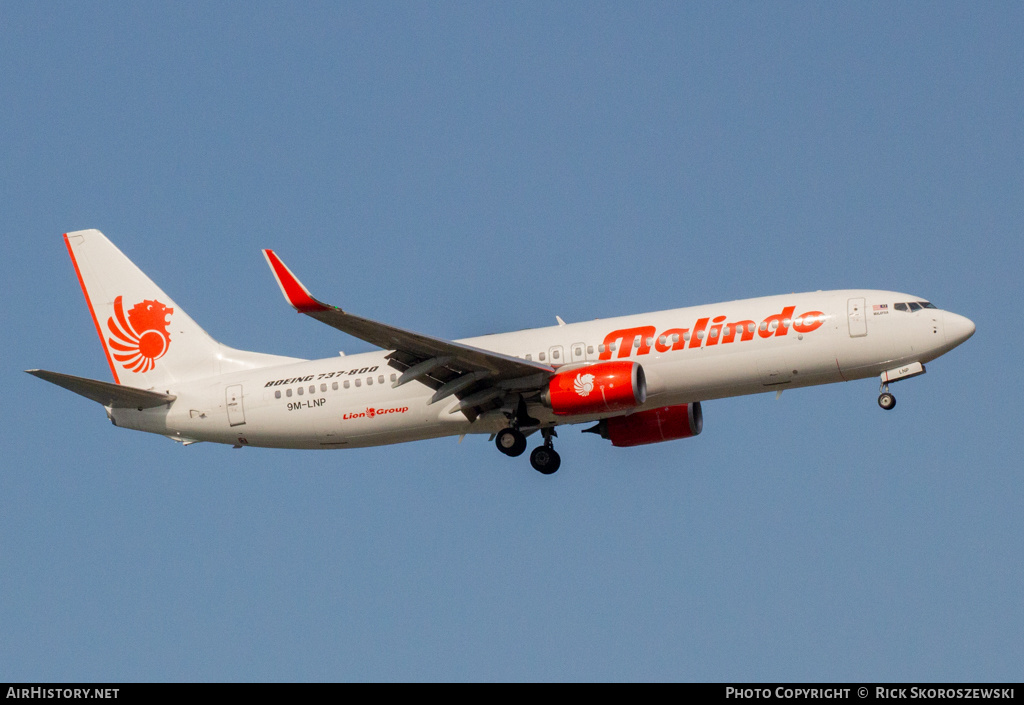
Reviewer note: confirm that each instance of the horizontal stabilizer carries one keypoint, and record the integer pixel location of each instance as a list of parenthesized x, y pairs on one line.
[(117, 396)]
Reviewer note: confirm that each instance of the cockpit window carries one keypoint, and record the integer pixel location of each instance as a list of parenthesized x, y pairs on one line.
[(913, 305)]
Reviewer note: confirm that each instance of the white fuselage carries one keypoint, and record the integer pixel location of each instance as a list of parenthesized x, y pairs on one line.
[(688, 354)]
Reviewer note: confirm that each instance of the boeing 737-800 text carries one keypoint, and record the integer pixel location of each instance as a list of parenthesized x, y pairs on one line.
[(639, 379)]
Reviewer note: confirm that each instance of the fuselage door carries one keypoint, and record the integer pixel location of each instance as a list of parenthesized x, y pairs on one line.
[(236, 412), (856, 317)]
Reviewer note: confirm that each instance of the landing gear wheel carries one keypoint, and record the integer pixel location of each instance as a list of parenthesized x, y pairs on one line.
[(510, 441), (545, 460), (886, 400)]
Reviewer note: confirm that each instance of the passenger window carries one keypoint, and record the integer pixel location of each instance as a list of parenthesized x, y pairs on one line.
[(277, 394), (529, 357), (901, 307), (393, 376), (300, 391), (380, 379), (334, 386), (578, 352), (590, 350), (312, 389), (323, 387), (346, 384), (369, 381), (540, 357), (554, 355), (288, 392), (750, 327), (358, 383)]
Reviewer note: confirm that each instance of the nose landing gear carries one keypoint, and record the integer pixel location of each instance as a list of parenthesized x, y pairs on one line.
[(911, 369), (886, 400)]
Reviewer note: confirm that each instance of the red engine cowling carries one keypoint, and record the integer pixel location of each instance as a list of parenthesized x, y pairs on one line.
[(667, 423), (608, 386)]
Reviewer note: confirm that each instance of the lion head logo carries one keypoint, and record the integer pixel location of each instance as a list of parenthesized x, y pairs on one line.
[(370, 412), (141, 338), (584, 384)]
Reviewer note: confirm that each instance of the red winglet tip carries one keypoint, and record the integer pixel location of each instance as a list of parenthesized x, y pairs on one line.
[(294, 292)]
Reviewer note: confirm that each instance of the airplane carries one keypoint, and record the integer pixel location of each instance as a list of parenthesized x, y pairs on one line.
[(639, 379)]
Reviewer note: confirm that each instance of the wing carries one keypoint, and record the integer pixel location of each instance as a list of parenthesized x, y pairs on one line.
[(478, 378), (117, 396)]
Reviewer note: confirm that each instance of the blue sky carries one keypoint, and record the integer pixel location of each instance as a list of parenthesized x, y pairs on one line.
[(460, 169)]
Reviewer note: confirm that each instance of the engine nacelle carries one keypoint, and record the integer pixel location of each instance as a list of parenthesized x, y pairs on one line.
[(667, 423), (607, 386)]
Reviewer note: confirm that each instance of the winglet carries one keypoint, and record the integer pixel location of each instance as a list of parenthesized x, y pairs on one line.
[(294, 292)]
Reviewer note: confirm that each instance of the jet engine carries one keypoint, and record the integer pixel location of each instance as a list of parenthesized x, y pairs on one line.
[(667, 423), (607, 386)]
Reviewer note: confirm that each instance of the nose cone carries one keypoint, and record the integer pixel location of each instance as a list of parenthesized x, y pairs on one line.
[(958, 328)]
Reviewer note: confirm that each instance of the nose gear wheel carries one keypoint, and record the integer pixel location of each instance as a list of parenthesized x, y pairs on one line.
[(886, 400)]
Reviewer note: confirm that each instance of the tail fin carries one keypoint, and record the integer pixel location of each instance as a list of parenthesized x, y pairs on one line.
[(149, 341)]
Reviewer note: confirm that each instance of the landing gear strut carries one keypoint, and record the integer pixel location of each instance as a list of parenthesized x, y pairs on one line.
[(511, 441), (886, 400), (544, 459)]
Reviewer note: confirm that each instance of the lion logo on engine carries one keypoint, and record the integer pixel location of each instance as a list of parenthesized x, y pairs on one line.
[(584, 384)]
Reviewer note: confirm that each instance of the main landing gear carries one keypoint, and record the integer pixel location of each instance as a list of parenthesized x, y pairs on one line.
[(886, 400), (510, 441), (544, 459)]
